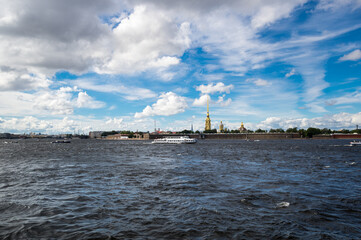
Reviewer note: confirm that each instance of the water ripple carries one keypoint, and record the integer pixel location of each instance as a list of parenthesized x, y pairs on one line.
[(211, 190)]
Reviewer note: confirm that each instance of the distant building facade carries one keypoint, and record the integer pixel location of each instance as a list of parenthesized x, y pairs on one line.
[(242, 128), (221, 127), (5, 135), (95, 134)]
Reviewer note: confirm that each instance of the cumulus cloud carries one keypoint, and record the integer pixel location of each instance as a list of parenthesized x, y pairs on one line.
[(261, 12), (352, 56), (335, 121), (224, 102), (168, 104), (21, 80), (213, 88), (63, 102), (32, 124), (71, 124), (85, 101), (75, 38), (138, 47), (202, 100), (116, 122), (45, 43)]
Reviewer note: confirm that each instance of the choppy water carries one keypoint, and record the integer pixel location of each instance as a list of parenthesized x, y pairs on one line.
[(306, 189)]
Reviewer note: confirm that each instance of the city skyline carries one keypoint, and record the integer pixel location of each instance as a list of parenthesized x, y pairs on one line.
[(80, 66)]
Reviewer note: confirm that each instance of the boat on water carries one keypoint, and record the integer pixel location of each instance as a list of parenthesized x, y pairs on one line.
[(175, 140), (61, 141), (354, 143)]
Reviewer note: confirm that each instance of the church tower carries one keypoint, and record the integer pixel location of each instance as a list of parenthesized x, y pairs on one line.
[(208, 120)]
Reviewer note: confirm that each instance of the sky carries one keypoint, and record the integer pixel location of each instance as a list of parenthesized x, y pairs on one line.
[(89, 65)]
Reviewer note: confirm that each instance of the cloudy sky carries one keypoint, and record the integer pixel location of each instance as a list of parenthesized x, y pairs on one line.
[(86, 65)]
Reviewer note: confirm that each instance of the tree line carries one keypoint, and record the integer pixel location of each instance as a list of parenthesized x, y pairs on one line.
[(309, 132)]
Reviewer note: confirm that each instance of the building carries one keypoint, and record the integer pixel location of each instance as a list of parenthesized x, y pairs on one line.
[(221, 127), (95, 134), (208, 120), (242, 128), (5, 135)]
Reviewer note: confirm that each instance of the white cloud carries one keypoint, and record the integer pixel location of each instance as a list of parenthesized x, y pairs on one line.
[(354, 97), (335, 121), (291, 73), (168, 104), (336, 4), (63, 102), (147, 39), (42, 44), (16, 104), (269, 13), (352, 56), (85, 101), (259, 82), (35, 46), (128, 92), (21, 80), (28, 123), (112, 107), (202, 100), (32, 124), (211, 88), (316, 108), (116, 122), (73, 123), (55, 102), (221, 101)]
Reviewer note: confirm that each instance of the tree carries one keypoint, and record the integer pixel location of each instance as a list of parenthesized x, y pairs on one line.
[(292, 130), (302, 132), (210, 131), (312, 131), (104, 134), (260, 131), (185, 131), (358, 131), (326, 131)]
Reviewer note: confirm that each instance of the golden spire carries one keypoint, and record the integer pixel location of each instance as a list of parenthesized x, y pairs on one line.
[(208, 120), (207, 106)]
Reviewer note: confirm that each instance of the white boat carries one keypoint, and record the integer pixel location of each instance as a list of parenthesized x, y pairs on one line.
[(354, 143), (61, 141), (175, 140)]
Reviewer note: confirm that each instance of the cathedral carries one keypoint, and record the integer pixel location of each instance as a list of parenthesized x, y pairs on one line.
[(208, 120)]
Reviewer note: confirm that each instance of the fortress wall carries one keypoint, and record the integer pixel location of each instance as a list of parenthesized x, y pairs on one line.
[(346, 136), (337, 136), (251, 136)]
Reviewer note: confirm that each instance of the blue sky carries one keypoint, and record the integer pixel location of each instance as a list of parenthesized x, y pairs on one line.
[(80, 66)]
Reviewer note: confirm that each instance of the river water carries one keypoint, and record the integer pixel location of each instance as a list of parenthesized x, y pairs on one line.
[(94, 189)]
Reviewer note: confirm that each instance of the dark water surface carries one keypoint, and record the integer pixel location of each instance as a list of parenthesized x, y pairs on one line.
[(93, 189)]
